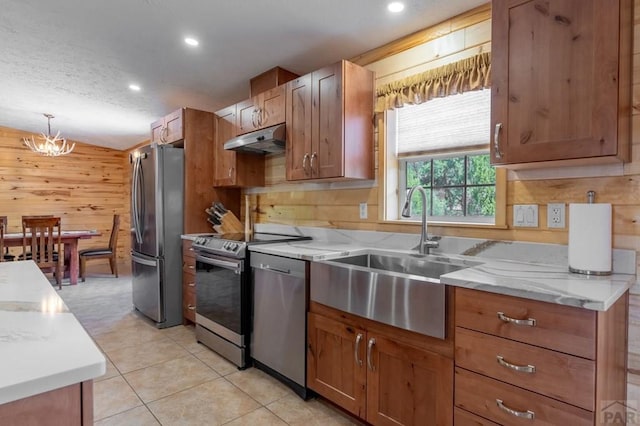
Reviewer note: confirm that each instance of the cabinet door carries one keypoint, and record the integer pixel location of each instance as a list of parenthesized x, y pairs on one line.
[(224, 161), (335, 363), (156, 131), (298, 107), (407, 385), (554, 80), (247, 116), (272, 107), (327, 131), (173, 124)]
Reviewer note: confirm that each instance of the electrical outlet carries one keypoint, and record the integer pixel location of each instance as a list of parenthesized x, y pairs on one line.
[(555, 215), (363, 210), (525, 215)]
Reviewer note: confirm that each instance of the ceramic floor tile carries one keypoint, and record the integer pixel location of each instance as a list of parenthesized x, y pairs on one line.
[(113, 396), (259, 385), (169, 377), (185, 336), (139, 416), (112, 371), (260, 417), (215, 361), (296, 412), (145, 354), (212, 403), (129, 335)]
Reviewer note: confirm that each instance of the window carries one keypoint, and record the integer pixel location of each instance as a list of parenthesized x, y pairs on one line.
[(442, 145)]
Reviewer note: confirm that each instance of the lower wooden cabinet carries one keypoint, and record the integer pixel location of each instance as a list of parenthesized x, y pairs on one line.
[(377, 378), (188, 283)]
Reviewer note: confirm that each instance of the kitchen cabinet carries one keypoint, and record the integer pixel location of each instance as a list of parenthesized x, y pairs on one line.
[(371, 373), (269, 79), (560, 82), (329, 116), (188, 282), (263, 110), (519, 360), (169, 128), (231, 168)]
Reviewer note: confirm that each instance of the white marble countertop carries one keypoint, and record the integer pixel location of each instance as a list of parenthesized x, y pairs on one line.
[(42, 344), (537, 281)]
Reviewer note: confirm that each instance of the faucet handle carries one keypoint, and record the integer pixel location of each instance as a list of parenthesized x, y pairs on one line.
[(434, 238)]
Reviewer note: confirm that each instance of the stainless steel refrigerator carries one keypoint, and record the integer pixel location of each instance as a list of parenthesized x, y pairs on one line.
[(157, 187)]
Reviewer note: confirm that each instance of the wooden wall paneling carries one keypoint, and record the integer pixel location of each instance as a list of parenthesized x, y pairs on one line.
[(85, 188)]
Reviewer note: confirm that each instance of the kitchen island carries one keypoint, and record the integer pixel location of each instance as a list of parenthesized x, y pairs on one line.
[(47, 359)]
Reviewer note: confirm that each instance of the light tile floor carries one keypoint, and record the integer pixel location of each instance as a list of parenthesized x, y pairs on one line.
[(165, 377)]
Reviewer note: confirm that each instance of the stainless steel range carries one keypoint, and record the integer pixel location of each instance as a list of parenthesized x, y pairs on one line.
[(223, 291)]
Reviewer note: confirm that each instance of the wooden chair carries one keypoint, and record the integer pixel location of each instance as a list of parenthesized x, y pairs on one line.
[(44, 243), (103, 252), (3, 227)]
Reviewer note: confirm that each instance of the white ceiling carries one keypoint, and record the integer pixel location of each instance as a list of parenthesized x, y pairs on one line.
[(75, 58)]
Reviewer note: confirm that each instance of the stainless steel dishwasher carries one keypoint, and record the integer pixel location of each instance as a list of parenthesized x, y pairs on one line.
[(279, 318)]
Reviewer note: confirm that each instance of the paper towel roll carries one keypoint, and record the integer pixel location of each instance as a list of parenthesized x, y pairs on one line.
[(590, 238)]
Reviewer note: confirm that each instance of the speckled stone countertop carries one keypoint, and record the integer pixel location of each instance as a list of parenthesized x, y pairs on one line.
[(42, 345), (496, 272)]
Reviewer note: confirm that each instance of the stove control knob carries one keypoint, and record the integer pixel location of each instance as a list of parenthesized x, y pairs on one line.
[(234, 246)]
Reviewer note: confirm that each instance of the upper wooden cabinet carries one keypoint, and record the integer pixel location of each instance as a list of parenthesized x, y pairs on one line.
[(169, 128), (329, 117), (232, 169), (263, 110), (560, 81)]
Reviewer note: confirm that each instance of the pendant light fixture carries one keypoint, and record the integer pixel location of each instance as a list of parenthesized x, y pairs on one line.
[(50, 146)]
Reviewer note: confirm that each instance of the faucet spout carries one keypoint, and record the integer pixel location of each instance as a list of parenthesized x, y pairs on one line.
[(425, 243)]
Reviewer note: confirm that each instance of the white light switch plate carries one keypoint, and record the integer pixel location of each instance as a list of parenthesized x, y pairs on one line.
[(525, 215)]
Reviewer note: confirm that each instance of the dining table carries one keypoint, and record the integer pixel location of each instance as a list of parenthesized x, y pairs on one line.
[(69, 239)]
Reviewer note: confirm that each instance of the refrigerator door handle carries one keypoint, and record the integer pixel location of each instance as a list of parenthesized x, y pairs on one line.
[(142, 210), (134, 198), (143, 261)]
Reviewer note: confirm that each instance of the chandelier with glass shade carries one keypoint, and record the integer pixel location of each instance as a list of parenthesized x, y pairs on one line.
[(50, 146)]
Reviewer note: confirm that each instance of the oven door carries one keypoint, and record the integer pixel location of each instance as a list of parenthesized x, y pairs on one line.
[(220, 293)]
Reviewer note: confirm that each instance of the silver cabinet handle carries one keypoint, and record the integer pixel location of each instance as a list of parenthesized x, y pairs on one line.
[(496, 141), (372, 342), (165, 131), (260, 116), (520, 368), (530, 322), (522, 414), (357, 350), (230, 171), (314, 155), (191, 267), (191, 307), (304, 162), (191, 249), (192, 284)]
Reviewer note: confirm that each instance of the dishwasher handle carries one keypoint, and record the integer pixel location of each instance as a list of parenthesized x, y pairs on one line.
[(274, 269)]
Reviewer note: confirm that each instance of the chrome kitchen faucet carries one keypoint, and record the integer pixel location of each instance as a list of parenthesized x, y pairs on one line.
[(425, 243)]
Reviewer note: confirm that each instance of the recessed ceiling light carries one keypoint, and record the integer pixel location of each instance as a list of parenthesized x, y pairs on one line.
[(395, 7), (191, 41), (134, 87)]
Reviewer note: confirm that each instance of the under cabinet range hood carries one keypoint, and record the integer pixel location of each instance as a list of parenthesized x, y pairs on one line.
[(270, 140)]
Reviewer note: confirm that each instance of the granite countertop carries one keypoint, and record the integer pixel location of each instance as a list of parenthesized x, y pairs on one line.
[(43, 346), (536, 281)]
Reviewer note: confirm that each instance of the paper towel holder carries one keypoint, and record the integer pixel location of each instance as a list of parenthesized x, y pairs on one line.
[(591, 196)]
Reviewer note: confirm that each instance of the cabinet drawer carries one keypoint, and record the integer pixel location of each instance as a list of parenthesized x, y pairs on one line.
[(481, 395), (188, 299), (187, 249), (562, 328), (557, 375), (465, 418)]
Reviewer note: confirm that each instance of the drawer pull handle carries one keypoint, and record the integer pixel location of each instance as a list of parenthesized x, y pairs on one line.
[(357, 349), (192, 267), (530, 322), (496, 141), (520, 368), (522, 414), (192, 284), (372, 342), (191, 307)]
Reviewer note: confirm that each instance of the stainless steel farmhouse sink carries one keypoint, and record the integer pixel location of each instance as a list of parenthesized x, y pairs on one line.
[(402, 290)]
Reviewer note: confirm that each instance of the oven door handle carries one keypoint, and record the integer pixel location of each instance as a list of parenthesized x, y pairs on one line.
[(234, 266)]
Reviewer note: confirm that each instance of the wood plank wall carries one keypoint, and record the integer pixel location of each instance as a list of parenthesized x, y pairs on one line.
[(85, 188), (336, 205)]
